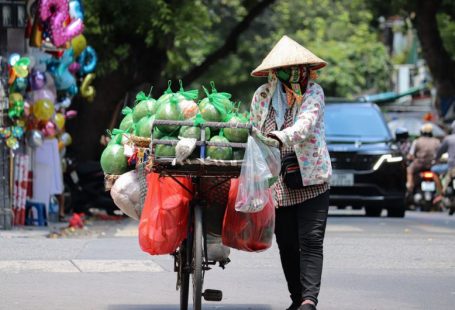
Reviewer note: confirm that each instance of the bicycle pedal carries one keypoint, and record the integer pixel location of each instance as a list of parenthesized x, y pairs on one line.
[(212, 295)]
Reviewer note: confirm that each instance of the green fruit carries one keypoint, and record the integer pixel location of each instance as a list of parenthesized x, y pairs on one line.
[(169, 111), (217, 152), (127, 123), (236, 134), (113, 161), (144, 108), (163, 150), (144, 127), (238, 154), (157, 134), (209, 112), (194, 132)]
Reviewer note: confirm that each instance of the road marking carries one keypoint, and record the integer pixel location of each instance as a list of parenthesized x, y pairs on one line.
[(434, 229), (120, 265), (342, 228), (16, 266), (79, 265)]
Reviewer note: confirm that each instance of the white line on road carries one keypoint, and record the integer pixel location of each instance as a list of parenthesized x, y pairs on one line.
[(79, 265)]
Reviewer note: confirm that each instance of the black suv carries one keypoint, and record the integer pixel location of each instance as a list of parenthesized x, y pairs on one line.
[(368, 169)]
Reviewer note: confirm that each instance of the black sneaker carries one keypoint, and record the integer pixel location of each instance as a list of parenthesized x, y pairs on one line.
[(294, 306)]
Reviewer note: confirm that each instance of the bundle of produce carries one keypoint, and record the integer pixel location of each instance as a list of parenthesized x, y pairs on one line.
[(219, 152), (176, 107), (145, 105), (113, 160), (216, 106), (236, 134), (163, 150), (127, 122)]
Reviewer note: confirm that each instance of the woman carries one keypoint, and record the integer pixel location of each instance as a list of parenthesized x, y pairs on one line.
[(290, 109)]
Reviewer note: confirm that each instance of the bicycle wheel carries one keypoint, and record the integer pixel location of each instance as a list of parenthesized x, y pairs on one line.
[(184, 276), (197, 258)]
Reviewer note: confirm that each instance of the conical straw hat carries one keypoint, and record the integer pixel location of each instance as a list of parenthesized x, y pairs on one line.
[(286, 53)]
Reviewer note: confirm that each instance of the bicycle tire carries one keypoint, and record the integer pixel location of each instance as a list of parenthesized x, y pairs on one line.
[(184, 278), (197, 258)]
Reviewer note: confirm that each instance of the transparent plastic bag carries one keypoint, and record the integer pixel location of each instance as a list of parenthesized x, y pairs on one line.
[(260, 164)]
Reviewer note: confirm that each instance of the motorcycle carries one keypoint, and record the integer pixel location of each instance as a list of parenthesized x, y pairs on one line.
[(84, 188), (424, 191), (449, 196)]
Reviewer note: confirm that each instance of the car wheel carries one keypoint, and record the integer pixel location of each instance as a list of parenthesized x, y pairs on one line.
[(373, 211)]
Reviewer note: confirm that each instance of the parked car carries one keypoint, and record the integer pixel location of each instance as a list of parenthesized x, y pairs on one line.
[(368, 169)]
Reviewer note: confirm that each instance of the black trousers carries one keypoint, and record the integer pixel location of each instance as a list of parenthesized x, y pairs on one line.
[(300, 231)]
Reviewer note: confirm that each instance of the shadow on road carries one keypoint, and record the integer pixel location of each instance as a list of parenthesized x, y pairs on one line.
[(177, 307)]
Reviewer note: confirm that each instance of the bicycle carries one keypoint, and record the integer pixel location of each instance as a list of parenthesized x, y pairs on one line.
[(191, 258)]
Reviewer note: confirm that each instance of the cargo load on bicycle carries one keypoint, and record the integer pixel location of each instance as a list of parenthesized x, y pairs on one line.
[(175, 163)]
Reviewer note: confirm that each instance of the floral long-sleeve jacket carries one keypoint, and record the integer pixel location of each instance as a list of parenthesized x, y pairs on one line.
[(307, 135)]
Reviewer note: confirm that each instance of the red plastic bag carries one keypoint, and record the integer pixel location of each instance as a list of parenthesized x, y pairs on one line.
[(251, 232), (163, 224)]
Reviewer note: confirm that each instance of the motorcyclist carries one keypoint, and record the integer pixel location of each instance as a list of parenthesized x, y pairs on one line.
[(422, 154), (403, 142), (448, 169)]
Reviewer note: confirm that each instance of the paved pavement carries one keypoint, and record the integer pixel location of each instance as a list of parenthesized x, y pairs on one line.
[(370, 263)]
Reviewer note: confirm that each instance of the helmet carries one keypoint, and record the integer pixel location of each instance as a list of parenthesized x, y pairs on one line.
[(426, 129), (401, 133)]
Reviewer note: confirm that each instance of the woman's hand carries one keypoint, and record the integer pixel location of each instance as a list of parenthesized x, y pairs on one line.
[(274, 137)]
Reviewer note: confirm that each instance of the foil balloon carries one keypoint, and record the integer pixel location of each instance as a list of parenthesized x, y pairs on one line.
[(49, 129), (37, 79), (12, 143), (17, 132), (65, 103), (88, 60), (72, 91), (59, 120), (5, 132), (15, 97), (88, 91), (76, 9), (78, 44), (57, 12), (74, 68), (63, 77), (66, 139), (43, 109), (34, 138), (13, 58), (20, 84)]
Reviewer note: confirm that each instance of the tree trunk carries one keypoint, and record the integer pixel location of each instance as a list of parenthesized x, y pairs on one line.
[(441, 65)]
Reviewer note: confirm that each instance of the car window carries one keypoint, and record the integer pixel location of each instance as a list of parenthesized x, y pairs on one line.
[(355, 121)]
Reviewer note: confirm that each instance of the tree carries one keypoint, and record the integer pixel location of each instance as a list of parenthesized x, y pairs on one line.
[(433, 20), (146, 42)]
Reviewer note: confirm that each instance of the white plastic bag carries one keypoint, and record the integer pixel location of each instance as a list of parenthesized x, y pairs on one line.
[(126, 194), (260, 164)]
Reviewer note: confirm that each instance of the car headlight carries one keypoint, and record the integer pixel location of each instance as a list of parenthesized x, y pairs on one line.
[(387, 158)]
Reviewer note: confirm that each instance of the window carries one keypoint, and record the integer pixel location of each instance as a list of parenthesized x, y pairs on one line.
[(7, 16)]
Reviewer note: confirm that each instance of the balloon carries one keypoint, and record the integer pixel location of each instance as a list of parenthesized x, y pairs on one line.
[(20, 84), (17, 132), (43, 109), (78, 44), (49, 129), (88, 60), (37, 79), (50, 83), (34, 138), (72, 91), (87, 91), (13, 58), (63, 77), (12, 143), (57, 12), (76, 9), (15, 97), (74, 68), (43, 94), (65, 103), (26, 109), (59, 120), (66, 139), (5, 132), (70, 114), (36, 36)]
